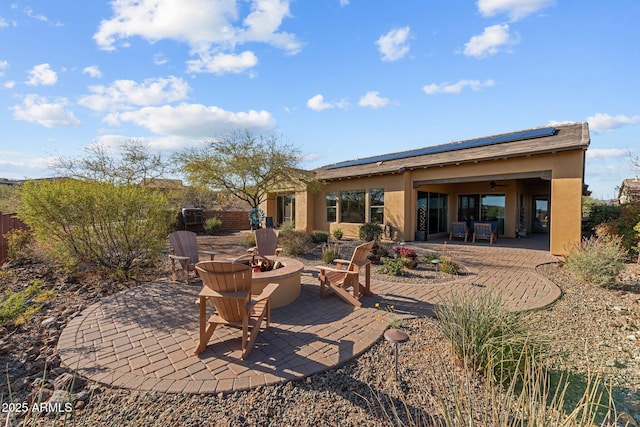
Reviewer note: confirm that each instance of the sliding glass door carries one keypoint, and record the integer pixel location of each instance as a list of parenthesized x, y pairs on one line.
[(482, 208), (432, 214)]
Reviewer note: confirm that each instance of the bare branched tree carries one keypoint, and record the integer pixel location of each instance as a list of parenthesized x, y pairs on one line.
[(133, 163)]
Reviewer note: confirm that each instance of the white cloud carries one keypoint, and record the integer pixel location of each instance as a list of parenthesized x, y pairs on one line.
[(344, 3), (93, 71), (42, 75), (127, 93), (606, 153), (3, 22), (170, 142), (318, 103), (393, 45), (516, 9), (310, 157), (9, 85), (38, 17), (600, 122), (49, 114), (373, 100), (159, 59), (223, 63), (3, 66), (458, 87), (192, 120), (262, 25), (209, 27), (490, 41)]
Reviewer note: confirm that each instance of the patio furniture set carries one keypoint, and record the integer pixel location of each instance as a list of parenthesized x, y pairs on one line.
[(481, 231), (242, 295)]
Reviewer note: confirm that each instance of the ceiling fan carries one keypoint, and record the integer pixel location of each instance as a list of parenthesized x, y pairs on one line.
[(493, 185)]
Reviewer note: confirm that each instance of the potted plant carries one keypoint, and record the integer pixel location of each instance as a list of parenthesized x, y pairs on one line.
[(409, 256)]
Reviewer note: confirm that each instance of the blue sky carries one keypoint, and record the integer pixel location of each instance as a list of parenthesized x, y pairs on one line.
[(340, 79)]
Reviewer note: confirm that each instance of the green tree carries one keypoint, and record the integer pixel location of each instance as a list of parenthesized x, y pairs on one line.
[(245, 165), (115, 228)]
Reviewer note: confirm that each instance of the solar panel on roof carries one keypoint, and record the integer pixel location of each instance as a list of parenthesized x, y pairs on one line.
[(471, 143)]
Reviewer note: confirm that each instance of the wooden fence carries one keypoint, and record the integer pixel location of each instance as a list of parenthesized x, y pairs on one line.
[(8, 222)]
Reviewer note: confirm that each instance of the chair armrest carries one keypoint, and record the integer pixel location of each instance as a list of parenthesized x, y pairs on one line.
[(252, 250), (341, 261), (210, 253), (266, 292), (336, 270), (278, 250), (179, 258)]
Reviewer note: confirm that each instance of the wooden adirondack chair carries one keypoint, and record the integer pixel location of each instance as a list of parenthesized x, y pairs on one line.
[(227, 286), (266, 243), (459, 230), (340, 280), (484, 231), (184, 250)]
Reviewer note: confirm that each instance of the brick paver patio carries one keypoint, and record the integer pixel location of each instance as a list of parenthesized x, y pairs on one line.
[(144, 338)]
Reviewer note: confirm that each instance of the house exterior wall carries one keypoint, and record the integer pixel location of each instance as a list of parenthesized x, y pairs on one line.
[(565, 170), (541, 179)]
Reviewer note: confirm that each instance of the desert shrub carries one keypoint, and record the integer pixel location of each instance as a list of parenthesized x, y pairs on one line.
[(370, 231), (384, 250), (18, 244), (318, 236), (485, 335), (623, 226), (597, 260), (427, 258), (117, 229), (212, 225), (393, 267), (250, 240), (337, 233), (449, 266), (287, 225), (17, 307), (602, 213), (330, 253), (294, 242)]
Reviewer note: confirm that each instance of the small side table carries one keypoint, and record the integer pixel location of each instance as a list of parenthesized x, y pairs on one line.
[(396, 336)]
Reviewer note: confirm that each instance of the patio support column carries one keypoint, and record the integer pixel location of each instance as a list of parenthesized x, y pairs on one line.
[(566, 214)]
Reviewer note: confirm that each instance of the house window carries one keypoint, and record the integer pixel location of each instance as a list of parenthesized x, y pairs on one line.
[(352, 206), (376, 205), (331, 203)]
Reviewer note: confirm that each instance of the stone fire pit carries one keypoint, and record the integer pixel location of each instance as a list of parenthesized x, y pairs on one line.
[(288, 276)]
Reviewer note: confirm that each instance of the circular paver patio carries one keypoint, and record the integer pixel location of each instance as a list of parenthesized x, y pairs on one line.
[(144, 338)]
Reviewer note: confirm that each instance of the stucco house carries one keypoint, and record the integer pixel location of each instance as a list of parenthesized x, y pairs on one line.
[(629, 191), (530, 181)]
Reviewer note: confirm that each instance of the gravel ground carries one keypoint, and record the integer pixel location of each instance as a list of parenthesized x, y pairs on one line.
[(591, 330)]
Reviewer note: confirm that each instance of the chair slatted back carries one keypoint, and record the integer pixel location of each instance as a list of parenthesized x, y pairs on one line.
[(358, 259), (185, 243), (266, 241), (231, 279), (482, 231), (458, 228)]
